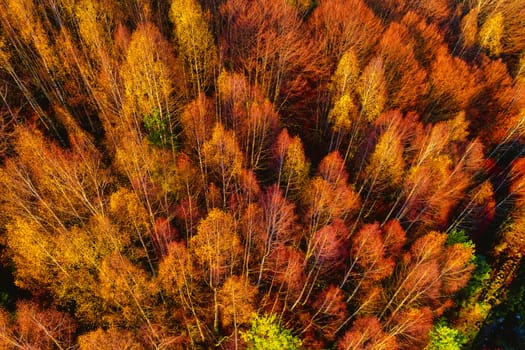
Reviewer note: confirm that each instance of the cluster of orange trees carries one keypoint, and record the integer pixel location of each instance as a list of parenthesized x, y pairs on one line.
[(259, 174)]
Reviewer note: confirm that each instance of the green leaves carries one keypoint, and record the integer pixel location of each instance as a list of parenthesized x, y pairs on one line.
[(442, 337), (266, 334)]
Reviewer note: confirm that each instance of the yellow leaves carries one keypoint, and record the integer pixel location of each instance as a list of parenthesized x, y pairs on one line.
[(23, 15), (371, 89), (126, 289), (343, 113), (195, 41), (222, 154), (109, 339), (386, 165), (216, 244), (457, 128), (292, 162), (89, 18), (148, 73), (127, 209), (346, 74), (491, 34), (33, 252)]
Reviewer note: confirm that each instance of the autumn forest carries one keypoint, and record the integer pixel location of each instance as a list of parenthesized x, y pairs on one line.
[(262, 174)]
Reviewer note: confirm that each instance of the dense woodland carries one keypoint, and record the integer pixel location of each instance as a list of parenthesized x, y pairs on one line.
[(262, 174)]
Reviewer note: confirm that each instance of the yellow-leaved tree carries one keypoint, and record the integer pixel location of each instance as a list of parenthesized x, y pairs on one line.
[(195, 43)]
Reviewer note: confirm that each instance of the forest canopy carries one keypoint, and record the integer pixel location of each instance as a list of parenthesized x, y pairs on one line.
[(262, 174)]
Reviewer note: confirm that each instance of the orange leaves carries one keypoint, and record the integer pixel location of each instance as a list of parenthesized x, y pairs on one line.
[(65, 186), (456, 267), (36, 328), (236, 299), (428, 272), (326, 202), (126, 291), (222, 154), (411, 328), (197, 121), (332, 169), (329, 196), (368, 254), (405, 78), (176, 270), (452, 85), (337, 32)]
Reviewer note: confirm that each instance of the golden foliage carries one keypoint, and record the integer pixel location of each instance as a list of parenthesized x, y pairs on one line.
[(371, 89), (195, 43), (149, 74), (491, 33), (216, 245)]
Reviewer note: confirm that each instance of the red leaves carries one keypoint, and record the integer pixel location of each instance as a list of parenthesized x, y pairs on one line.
[(366, 333), (329, 245)]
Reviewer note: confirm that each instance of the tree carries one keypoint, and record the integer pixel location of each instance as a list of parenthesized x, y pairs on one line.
[(491, 33), (328, 246), (386, 166), (126, 291), (195, 43), (337, 33), (469, 28), (266, 333), (223, 158), (250, 115), (406, 80), (265, 41), (325, 202), (236, 299), (330, 312), (371, 89), (448, 96), (36, 328), (366, 333), (197, 121), (443, 336), (290, 162), (117, 339), (149, 79), (216, 245)]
